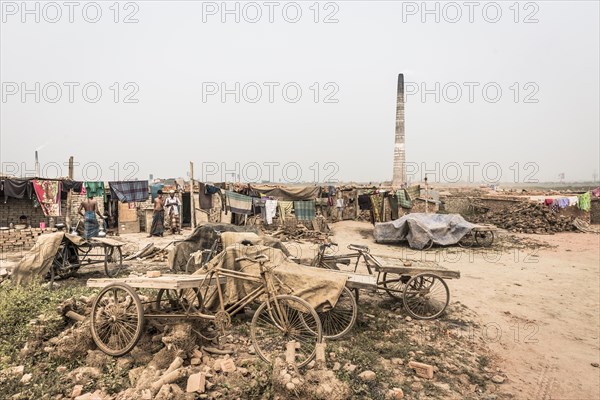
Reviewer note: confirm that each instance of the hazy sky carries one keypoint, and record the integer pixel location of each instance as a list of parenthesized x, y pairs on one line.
[(178, 57)]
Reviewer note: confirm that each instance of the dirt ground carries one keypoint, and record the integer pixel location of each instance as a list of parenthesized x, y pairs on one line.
[(535, 301), (539, 308)]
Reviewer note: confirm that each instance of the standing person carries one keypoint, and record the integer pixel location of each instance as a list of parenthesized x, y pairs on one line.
[(88, 210), (173, 207), (158, 217)]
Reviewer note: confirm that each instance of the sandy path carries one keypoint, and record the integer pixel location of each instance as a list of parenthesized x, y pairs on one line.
[(539, 309)]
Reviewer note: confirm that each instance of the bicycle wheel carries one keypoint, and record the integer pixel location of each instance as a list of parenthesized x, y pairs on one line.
[(117, 319), (394, 284), (426, 296), (282, 319), (113, 260), (338, 321)]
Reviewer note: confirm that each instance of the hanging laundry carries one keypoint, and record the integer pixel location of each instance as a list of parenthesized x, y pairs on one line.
[(305, 210), (75, 186), (364, 202), (129, 191), (404, 199), (376, 203), (596, 192), (548, 202), (554, 205), (17, 188), (584, 201), (270, 210), (413, 192), (573, 200), (563, 202), (96, 188), (285, 209), (393, 200), (48, 195), (238, 203), (205, 197)]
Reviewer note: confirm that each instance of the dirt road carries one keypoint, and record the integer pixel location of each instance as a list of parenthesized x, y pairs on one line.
[(539, 308)]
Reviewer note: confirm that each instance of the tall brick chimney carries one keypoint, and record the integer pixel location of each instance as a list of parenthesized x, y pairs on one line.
[(399, 176)]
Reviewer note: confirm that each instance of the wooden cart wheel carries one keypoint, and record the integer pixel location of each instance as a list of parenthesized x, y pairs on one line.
[(426, 296), (117, 319), (394, 284), (484, 238), (171, 300), (282, 319), (113, 260), (467, 241), (64, 264), (338, 321)]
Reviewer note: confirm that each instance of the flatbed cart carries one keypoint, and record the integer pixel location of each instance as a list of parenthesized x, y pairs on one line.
[(421, 285), (118, 314)]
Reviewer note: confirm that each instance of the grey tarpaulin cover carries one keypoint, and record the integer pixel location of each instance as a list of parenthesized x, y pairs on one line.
[(420, 228)]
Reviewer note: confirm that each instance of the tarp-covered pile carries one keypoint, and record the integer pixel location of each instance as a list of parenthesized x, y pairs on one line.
[(419, 229), (203, 238), (319, 287), (36, 263)]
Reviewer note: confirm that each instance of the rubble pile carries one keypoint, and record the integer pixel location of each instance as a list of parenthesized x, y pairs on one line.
[(413, 360), (297, 231), (526, 218)]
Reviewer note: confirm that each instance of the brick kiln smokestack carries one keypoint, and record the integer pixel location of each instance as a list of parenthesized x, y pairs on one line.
[(399, 176)]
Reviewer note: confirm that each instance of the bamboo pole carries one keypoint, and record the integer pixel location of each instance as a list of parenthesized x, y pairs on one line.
[(192, 200), (69, 197)]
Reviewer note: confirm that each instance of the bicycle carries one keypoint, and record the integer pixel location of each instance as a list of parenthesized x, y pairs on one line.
[(118, 314)]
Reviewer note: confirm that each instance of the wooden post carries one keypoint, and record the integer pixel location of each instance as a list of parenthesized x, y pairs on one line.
[(356, 209), (192, 200), (69, 197)]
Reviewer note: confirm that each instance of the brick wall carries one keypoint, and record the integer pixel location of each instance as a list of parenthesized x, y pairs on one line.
[(24, 239), (14, 208)]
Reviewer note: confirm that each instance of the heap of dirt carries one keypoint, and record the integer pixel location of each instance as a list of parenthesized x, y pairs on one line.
[(526, 218)]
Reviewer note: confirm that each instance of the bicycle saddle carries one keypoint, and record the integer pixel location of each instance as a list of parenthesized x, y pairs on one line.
[(358, 247)]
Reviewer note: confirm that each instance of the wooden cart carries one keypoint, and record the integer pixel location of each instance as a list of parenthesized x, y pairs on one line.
[(419, 284), (118, 312), (75, 252), (480, 235)]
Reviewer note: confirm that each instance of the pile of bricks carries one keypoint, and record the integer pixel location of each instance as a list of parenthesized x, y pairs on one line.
[(20, 239)]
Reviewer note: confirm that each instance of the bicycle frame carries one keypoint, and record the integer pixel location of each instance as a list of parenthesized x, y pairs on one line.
[(369, 260), (267, 286)]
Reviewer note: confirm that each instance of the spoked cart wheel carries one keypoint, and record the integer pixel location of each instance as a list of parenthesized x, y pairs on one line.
[(467, 241), (117, 319), (484, 238), (394, 284), (426, 296), (113, 260), (338, 321), (282, 319)]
